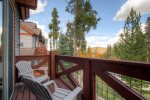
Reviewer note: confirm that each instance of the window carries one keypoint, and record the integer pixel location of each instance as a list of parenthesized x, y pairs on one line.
[(21, 44)]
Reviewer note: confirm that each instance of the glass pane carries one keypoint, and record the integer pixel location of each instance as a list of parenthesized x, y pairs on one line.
[(11, 50)]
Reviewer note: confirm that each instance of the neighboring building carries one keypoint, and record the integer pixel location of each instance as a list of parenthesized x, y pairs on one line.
[(46, 43), (42, 49), (30, 38)]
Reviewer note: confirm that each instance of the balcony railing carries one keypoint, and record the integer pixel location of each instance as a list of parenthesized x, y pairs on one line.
[(100, 79)]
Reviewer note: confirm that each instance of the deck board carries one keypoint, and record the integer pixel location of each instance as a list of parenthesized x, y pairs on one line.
[(23, 94), (26, 94), (21, 91), (15, 93), (32, 96)]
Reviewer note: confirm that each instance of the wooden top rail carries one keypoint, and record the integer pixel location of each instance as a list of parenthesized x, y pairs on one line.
[(101, 67), (92, 68), (133, 69)]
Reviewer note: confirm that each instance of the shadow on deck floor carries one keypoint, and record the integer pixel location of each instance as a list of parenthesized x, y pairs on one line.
[(23, 94)]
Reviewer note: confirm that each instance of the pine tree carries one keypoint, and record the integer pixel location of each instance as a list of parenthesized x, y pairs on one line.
[(131, 43), (108, 52), (147, 38), (72, 37), (131, 46), (66, 41), (50, 37), (116, 51), (54, 28), (84, 19), (64, 45)]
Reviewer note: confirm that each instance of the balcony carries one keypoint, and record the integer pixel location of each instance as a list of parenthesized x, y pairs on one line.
[(99, 78)]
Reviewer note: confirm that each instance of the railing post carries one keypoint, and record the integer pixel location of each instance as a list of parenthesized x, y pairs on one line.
[(52, 65), (93, 85), (87, 95)]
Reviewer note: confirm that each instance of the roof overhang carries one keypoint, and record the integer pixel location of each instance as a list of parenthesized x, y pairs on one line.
[(32, 4), (30, 32), (24, 13), (24, 6)]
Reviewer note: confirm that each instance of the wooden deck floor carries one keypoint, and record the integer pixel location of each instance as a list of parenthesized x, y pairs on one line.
[(23, 94)]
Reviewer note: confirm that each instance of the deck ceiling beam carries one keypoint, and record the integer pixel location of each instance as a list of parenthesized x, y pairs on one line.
[(27, 12), (31, 4), (24, 13)]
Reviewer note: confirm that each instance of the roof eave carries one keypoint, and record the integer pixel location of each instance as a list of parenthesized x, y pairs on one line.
[(31, 4), (24, 6)]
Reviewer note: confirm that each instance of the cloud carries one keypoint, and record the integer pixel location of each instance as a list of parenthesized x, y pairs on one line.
[(40, 7), (140, 6), (98, 40), (42, 27), (102, 40)]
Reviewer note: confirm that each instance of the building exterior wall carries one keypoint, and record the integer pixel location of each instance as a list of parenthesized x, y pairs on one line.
[(26, 41), (22, 31), (26, 45), (34, 39), (37, 42)]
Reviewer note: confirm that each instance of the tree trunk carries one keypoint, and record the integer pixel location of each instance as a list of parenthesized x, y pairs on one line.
[(50, 44), (74, 44)]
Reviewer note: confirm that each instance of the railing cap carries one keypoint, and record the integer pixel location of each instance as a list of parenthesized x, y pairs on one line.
[(53, 52)]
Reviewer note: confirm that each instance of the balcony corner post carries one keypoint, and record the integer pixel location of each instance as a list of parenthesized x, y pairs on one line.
[(87, 81), (52, 65)]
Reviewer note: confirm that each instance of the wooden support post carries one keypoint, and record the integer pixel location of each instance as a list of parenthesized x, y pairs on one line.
[(52, 66), (49, 64), (87, 81), (93, 85)]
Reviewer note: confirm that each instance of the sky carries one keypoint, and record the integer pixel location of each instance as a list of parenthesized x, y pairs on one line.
[(112, 14)]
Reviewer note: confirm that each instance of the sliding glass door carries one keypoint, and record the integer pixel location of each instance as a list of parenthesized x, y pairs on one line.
[(8, 35)]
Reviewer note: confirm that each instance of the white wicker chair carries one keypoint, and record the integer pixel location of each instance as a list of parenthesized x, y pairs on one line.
[(42, 92), (25, 70)]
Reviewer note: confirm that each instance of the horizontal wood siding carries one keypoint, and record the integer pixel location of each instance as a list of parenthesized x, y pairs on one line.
[(26, 41)]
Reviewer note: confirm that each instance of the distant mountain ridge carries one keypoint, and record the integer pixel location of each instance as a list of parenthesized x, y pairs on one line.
[(100, 50)]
